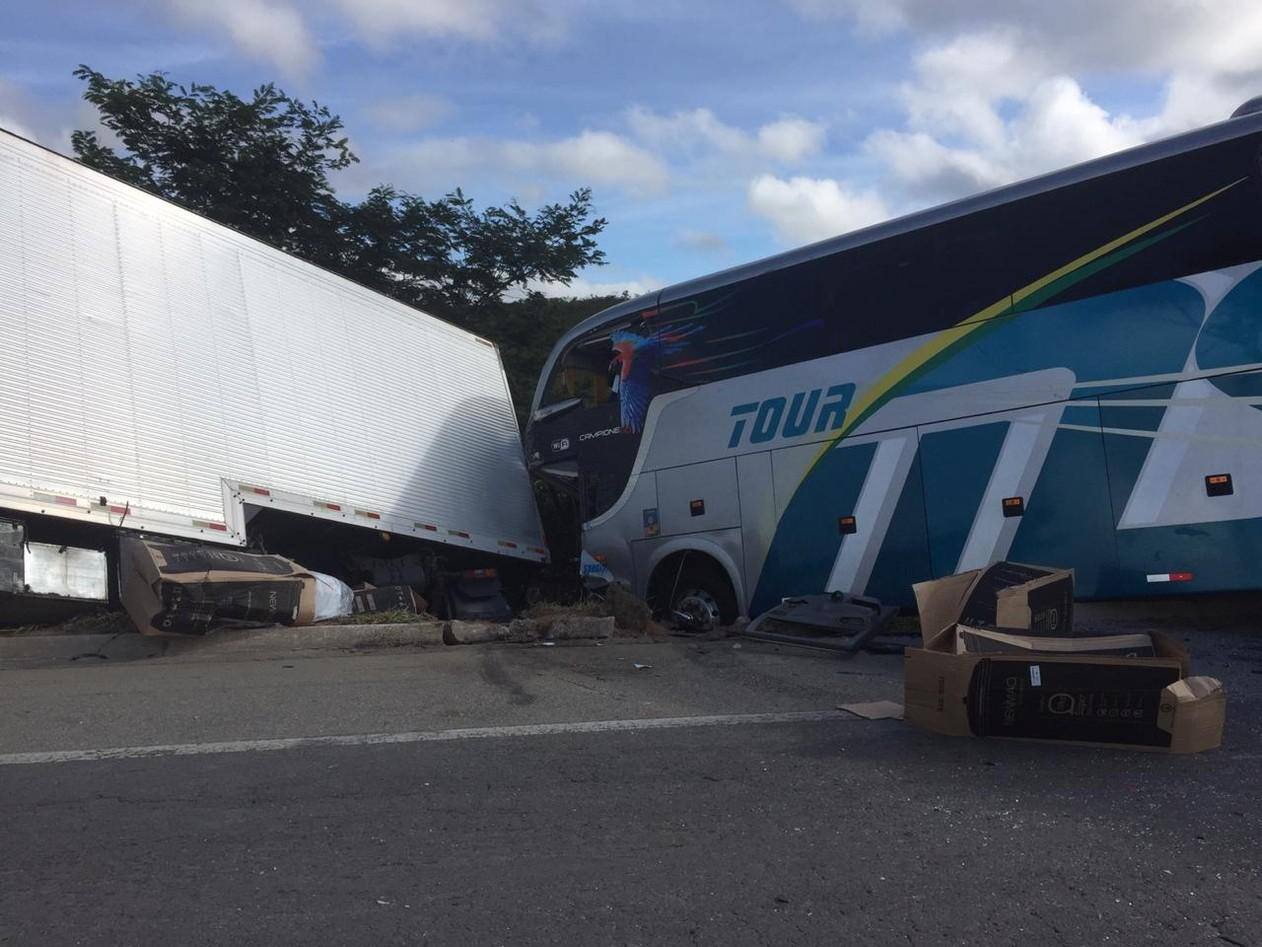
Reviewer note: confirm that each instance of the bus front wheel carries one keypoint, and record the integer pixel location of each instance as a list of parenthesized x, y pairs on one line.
[(695, 591)]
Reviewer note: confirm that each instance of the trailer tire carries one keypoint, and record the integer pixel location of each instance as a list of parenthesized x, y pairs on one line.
[(695, 584)]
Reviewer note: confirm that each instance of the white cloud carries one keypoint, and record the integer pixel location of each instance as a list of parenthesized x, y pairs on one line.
[(957, 84), (1215, 45), (48, 122), (409, 113), (1194, 98), (997, 90), (591, 157), (271, 31), (995, 96), (928, 169), (1124, 34), (17, 114), (581, 287), (791, 139), (595, 156), (803, 210), (686, 130), (279, 31), (384, 22), (1055, 125), (1058, 126), (700, 133)]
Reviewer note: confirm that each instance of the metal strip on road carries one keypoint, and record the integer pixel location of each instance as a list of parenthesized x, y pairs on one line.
[(417, 736)]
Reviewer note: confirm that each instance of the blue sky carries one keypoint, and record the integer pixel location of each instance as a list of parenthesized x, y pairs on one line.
[(712, 133)]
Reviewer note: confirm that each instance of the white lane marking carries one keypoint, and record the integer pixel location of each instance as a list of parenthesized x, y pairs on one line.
[(415, 736)]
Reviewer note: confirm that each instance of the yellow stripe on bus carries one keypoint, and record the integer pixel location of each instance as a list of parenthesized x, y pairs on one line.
[(947, 337)]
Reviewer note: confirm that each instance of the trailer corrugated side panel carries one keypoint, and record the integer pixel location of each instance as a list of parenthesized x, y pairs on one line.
[(171, 365)]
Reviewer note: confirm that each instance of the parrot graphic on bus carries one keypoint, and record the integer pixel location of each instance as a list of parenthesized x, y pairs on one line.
[(636, 359), (675, 348)]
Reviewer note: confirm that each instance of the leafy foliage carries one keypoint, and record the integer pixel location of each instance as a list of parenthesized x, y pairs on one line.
[(448, 257), (262, 164)]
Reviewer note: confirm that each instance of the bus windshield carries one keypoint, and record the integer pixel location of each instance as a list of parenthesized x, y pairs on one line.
[(583, 372)]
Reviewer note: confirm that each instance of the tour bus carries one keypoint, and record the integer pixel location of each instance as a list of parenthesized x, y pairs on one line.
[(1065, 371)]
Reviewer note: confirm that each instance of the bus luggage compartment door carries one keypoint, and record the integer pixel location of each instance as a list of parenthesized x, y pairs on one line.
[(1065, 518), (1185, 471), (698, 497), (1018, 481)]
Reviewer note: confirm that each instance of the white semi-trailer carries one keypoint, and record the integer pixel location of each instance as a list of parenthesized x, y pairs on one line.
[(160, 372)]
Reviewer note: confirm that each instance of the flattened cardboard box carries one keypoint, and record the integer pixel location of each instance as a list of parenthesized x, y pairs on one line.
[(183, 588)]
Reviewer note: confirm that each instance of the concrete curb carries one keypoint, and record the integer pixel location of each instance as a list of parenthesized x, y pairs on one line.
[(472, 632), (283, 640), (524, 629)]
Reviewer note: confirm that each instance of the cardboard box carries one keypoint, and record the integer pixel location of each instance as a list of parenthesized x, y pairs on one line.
[(1104, 700), (12, 557), (183, 588), (388, 598), (1038, 600), (977, 640), (1146, 703), (1193, 711)]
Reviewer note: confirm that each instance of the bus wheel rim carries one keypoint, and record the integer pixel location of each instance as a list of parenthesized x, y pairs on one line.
[(700, 607)]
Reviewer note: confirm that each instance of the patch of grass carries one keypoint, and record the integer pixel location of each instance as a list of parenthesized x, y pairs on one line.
[(397, 617), (629, 613), (541, 611), (88, 623)]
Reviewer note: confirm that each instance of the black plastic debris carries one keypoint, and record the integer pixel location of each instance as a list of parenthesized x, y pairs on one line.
[(835, 621)]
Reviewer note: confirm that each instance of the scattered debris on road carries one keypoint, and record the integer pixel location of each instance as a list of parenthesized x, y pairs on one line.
[(391, 599), (835, 622), (875, 709), (1052, 687)]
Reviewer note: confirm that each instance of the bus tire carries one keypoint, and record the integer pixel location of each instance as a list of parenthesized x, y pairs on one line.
[(696, 585)]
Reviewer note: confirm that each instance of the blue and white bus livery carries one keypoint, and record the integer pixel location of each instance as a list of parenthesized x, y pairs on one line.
[(1062, 370)]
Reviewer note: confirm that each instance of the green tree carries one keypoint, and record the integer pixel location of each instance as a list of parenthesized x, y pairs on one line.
[(527, 329), (450, 258), (259, 165), (262, 164)]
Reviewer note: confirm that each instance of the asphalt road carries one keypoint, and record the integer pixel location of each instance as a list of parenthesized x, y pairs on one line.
[(741, 831)]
